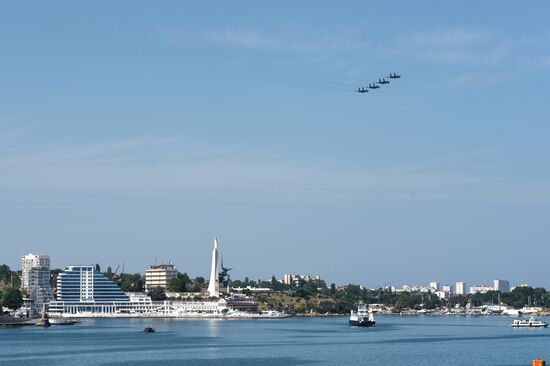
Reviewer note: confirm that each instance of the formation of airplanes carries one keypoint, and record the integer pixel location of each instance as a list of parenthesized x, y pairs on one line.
[(382, 81)]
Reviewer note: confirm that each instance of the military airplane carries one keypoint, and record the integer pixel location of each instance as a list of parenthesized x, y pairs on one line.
[(383, 81), (362, 90), (373, 86), (394, 76)]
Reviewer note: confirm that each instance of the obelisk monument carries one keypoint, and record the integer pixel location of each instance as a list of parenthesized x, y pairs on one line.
[(213, 285)]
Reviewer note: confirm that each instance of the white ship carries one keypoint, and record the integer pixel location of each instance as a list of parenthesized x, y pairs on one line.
[(363, 317), (531, 323)]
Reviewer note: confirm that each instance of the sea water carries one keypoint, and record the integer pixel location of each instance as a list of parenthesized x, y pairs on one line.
[(395, 340)]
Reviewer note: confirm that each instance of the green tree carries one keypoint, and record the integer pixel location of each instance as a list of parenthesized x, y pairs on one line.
[(180, 283), (402, 302), (12, 298), (5, 274), (275, 285), (15, 280), (130, 282), (157, 294)]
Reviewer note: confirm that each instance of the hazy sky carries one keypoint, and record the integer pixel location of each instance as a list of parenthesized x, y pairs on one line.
[(134, 130)]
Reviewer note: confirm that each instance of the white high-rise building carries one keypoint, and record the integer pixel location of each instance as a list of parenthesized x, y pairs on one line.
[(447, 288), (214, 285), (29, 262), (435, 286), (502, 286), (460, 288), (35, 279)]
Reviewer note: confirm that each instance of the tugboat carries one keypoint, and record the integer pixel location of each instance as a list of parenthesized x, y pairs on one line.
[(362, 317), (149, 330), (531, 323)]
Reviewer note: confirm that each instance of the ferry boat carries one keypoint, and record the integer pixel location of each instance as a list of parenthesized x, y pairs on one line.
[(363, 317), (531, 323)]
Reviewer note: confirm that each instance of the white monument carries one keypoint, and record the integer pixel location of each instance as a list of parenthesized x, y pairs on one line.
[(213, 285)]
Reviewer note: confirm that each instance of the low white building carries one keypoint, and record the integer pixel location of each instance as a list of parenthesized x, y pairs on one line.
[(299, 280), (480, 289)]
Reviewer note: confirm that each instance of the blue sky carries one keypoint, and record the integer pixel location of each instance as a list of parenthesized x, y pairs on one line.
[(131, 131)]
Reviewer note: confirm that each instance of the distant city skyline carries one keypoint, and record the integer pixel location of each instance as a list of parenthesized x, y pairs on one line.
[(130, 132), (159, 274)]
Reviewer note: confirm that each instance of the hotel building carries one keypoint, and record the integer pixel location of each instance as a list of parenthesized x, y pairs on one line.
[(83, 290), (159, 275)]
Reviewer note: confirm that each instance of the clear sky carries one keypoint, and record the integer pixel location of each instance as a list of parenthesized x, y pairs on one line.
[(135, 130)]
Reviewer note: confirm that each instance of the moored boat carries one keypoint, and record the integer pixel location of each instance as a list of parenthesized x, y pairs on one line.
[(60, 321), (363, 317)]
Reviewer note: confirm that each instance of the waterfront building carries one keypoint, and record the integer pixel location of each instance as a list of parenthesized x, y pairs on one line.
[(435, 286), (214, 285), (502, 286), (460, 288), (159, 275), (83, 291), (35, 280), (85, 284), (242, 302)]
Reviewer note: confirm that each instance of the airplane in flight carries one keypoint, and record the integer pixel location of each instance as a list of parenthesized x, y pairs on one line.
[(383, 81), (362, 90), (394, 76), (373, 86)]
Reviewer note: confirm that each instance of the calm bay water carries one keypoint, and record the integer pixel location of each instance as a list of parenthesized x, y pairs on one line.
[(395, 340)]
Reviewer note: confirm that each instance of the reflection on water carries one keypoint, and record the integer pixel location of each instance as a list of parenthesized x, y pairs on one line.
[(411, 341), (213, 326)]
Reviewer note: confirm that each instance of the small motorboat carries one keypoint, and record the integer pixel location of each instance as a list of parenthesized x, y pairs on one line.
[(531, 323), (149, 330)]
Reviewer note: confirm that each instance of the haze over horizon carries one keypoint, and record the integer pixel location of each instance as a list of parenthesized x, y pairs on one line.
[(131, 131)]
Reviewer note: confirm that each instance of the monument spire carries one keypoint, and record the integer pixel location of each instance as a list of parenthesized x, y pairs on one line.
[(213, 285)]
